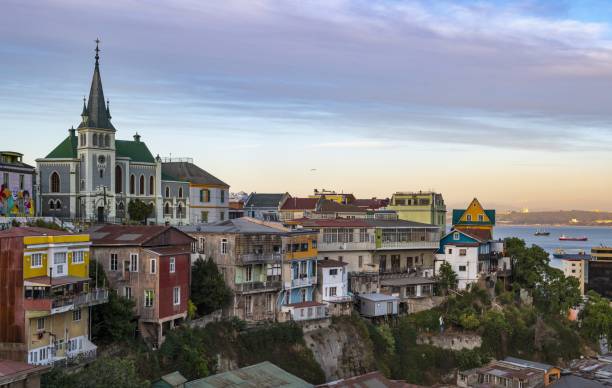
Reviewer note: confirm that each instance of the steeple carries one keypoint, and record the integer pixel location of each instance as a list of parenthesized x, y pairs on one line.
[(98, 114)]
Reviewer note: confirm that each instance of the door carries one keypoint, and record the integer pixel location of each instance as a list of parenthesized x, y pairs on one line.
[(100, 214), (59, 264)]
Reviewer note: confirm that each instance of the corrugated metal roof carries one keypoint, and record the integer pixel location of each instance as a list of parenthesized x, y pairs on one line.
[(376, 297), (185, 171), (264, 200)]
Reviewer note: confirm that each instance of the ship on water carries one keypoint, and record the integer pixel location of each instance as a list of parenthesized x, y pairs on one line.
[(564, 237), (540, 232)]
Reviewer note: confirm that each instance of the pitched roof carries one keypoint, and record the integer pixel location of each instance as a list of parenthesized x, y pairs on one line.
[(528, 364), (23, 231), (135, 150), (264, 375), (134, 235), (300, 204), (98, 115), (370, 380), (189, 172), (329, 206), (237, 225), (264, 200), (66, 149), (370, 203), (10, 371), (479, 234)]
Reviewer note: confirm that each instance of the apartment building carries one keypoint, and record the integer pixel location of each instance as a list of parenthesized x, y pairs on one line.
[(46, 296), (150, 265), (599, 271), (420, 206)]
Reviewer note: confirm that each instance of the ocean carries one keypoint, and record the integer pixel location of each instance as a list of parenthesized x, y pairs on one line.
[(596, 236)]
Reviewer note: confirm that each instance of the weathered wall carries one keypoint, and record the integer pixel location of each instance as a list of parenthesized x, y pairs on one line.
[(451, 341)]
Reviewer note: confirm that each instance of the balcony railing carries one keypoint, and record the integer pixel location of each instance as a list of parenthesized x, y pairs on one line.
[(62, 303), (148, 314), (338, 299), (346, 246), (260, 257), (304, 281), (409, 245), (490, 256), (259, 286)]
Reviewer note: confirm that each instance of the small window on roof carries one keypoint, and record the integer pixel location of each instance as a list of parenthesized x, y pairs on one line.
[(456, 236)]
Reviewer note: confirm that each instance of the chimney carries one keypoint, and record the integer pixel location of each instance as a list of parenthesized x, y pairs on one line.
[(137, 138)]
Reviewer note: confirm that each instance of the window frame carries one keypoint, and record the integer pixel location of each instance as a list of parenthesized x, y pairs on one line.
[(113, 262), (149, 298), (40, 256), (153, 266), (176, 296), (172, 266), (133, 259), (80, 254)]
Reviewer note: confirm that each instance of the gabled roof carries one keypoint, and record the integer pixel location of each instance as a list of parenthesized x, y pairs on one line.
[(264, 200), (186, 171), (479, 234), (458, 214), (66, 149), (23, 231), (136, 235), (300, 204), (137, 151), (370, 203)]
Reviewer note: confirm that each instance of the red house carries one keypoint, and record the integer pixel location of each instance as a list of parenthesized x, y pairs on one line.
[(150, 265)]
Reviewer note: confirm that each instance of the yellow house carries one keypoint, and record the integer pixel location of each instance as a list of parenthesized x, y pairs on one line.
[(341, 198), (475, 220), (53, 307)]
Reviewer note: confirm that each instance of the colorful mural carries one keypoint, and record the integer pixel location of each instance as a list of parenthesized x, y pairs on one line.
[(15, 203)]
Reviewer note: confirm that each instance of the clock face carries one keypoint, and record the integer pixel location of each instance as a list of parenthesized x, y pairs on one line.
[(101, 159)]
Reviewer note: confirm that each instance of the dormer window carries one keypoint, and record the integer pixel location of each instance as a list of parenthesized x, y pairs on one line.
[(456, 236), (480, 218), (469, 217)]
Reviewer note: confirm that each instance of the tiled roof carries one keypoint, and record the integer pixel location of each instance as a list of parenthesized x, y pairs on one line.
[(130, 235), (264, 200), (479, 234), (189, 172), (300, 204), (9, 368), (370, 203), (135, 150)]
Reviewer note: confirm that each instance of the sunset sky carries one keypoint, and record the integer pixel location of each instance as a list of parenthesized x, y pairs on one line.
[(510, 102)]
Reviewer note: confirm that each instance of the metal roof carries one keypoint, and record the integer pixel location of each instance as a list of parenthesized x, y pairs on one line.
[(527, 363), (264, 200), (186, 171), (376, 297)]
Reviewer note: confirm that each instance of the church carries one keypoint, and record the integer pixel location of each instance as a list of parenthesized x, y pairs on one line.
[(91, 176)]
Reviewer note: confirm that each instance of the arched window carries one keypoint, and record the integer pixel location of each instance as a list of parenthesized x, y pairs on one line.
[(179, 211), (55, 182), (167, 209), (118, 179), (107, 140), (151, 185), (141, 186), (167, 192), (51, 205), (58, 204), (95, 139), (132, 184), (180, 192), (121, 206), (101, 173)]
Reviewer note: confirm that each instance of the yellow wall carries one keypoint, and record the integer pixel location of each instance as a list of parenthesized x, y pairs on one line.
[(57, 324), (74, 242), (308, 238), (80, 269), (28, 271), (70, 238), (474, 210)]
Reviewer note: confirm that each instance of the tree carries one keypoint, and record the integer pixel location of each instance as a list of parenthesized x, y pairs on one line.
[(208, 289), (597, 318), (447, 278), (102, 373), (113, 321), (529, 265), (556, 293), (185, 351), (139, 211)]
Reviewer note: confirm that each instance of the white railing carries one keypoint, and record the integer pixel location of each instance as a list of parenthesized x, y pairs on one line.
[(345, 246), (260, 257), (304, 282), (410, 245)]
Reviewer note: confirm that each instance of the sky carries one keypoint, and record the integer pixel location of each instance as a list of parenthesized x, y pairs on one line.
[(510, 102)]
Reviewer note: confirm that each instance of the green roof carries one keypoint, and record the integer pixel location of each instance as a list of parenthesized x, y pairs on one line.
[(66, 149), (135, 150), (264, 375)]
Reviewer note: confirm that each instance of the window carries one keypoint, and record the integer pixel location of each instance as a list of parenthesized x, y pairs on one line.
[(222, 215), (480, 218), (141, 185), (332, 291), (21, 181), (40, 324), (462, 268), (172, 265), (42, 354), (127, 292), (59, 259), (114, 262), (456, 236), (118, 179), (55, 182), (201, 242), (176, 296), (360, 261), (205, 195), (107, 141), (179, 211), (5, 178), (51, 205), (248, 273), (58, 205), (167, 209), (222, 196), (76, 315), (462, 252), (224, 246), (204, 216), (153, 266), (333, 272), (134, 262), (78, 257), (468, 217), (132, 184), (95, 139), (270, 302), (101, 173), (450, 251), (36, 260), (149, 298), (151, 185), (248, 302), (167, 192)]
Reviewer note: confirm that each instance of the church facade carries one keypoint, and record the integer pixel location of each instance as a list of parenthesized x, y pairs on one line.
[(92, 176)]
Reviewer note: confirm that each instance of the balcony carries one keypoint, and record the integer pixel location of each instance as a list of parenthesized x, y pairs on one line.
[(346, 246), (62, 303), (490, 256), (304, 281), (253, 258), (253, 287), (409, 245), (338, 299)]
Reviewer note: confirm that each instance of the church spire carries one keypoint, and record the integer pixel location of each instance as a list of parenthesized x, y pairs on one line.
[(98, 115)]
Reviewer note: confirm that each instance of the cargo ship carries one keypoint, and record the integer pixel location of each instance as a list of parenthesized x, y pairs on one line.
[(568, 238)]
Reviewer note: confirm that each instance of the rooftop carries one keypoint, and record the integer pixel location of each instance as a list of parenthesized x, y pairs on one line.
[(134, 235), (369, 380), (329, 263), (264, 200), (262, 375), (529, 364), (23, 231), (376, 297), (11, 371), (300, 204), (185, 171), (406, 281)]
